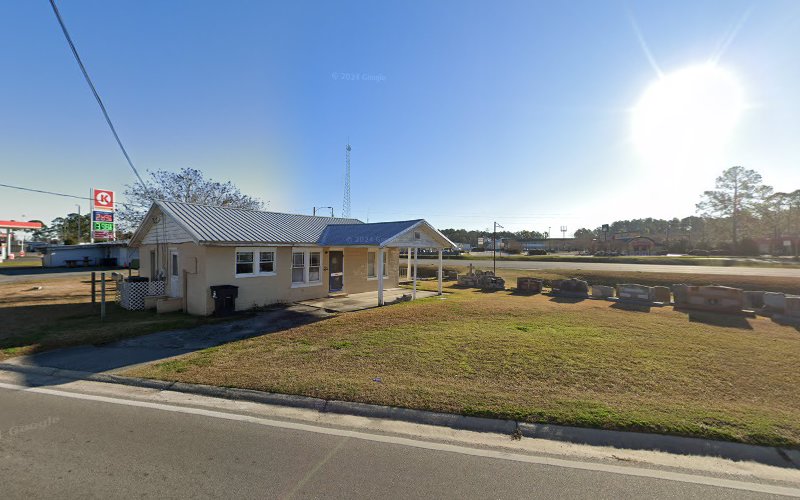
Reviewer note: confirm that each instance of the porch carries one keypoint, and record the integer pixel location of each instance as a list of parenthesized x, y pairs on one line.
[(381, 238), (364, 300)]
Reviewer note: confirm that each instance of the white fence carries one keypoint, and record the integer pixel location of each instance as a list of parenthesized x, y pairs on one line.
[(131, 294)]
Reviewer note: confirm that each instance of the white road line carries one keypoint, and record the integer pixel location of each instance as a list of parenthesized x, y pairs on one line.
[(515, 457)]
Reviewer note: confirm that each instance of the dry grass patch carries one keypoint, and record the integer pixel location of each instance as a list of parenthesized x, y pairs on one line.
[(61, 314), (531, 358)]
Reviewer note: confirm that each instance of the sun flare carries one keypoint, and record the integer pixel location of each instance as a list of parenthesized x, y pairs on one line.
[(686, 117)]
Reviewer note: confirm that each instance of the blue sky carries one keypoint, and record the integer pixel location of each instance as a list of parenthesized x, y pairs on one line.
[(525, 103)]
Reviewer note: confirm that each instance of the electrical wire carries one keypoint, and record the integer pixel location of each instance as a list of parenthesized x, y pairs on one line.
[(96, 95), (53, 193)]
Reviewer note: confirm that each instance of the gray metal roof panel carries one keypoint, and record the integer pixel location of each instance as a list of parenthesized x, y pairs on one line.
[(234, 225)]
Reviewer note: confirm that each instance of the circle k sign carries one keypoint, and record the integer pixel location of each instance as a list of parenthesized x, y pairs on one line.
[(104, 199)]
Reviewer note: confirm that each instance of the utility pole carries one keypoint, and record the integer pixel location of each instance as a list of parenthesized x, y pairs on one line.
[(494, 247), (79, 223), (346, 201)]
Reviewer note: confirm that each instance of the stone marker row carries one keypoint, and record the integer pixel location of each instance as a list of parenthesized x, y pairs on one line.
[(485, 280), (712, 298), (526, 284)]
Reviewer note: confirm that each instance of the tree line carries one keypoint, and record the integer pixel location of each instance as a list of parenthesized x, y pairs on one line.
[(739, 210)]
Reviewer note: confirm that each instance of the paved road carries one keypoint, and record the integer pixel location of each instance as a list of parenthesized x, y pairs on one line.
[(60, 444), (642, 268)]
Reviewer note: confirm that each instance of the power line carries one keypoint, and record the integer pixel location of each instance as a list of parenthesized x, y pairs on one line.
[(64, 195), (96, 95)]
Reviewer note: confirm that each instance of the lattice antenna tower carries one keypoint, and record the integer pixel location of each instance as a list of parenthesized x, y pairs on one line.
[(346, 202)]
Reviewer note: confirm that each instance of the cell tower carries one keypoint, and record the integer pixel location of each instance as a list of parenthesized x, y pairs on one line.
[(564, 232), (346, 202)]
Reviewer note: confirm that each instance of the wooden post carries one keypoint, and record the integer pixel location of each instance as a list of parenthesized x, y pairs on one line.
[(380, 275), (414, 289), (102, 296), (94, 288), (440, 271)]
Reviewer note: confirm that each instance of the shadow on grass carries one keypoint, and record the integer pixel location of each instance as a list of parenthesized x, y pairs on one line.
[(631, 306), (717, 319), (72, 337), (560, 299)]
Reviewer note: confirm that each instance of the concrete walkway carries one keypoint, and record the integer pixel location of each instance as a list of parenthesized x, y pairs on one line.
[(359, 301), (162, 345)]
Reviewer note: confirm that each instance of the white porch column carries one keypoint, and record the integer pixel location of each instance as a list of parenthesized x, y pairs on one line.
[(379, 256), (440, 271), (414, 289), (408, 267)]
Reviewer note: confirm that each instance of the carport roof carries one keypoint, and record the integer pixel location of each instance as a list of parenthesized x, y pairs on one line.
[(373, 233), (376, 233)]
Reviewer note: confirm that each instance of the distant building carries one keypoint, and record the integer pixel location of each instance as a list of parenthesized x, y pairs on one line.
[(110, 254), (779, 245)]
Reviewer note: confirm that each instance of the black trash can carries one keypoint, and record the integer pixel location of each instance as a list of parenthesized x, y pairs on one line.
[(224, 299)]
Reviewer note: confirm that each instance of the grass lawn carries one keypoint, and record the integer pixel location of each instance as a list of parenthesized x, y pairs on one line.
[(61, 314), (21, 263), (535, 359)]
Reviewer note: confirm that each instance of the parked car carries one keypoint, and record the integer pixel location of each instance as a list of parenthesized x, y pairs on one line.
[(700, 253)]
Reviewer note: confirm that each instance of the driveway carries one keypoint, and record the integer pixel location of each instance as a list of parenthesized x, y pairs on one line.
[(162, 345)]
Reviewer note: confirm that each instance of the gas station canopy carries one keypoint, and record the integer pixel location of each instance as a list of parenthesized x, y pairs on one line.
[(8, 225), (13, 224)]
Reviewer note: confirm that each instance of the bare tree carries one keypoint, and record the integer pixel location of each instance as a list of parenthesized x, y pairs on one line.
[(187, 185), (738, 191)]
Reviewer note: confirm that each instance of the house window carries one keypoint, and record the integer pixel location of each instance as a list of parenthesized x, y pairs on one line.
[(255, 262), (313, 268), (306, 267), (298, 267), (244, 262), (174, 264), (371, 272), (372, 259), (266, 262)]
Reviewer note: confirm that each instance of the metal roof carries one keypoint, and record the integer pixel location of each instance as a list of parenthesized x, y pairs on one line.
[(208, 224), (374, 233)]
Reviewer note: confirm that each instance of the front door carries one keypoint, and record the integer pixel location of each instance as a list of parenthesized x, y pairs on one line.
[(336, 267), (174, 275)]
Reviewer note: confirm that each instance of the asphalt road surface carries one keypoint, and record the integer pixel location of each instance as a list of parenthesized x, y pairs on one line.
[(642, 268), (60, 444)]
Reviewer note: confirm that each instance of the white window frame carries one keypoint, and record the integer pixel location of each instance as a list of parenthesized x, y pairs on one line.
[(374, 255), (256, 251), (307, 266), (385, 264), (258, 261)]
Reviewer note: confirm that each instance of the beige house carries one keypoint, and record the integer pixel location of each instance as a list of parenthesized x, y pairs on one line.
[(272, 257)]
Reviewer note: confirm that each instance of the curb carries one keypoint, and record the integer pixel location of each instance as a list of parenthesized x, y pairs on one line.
[(680, 445)]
